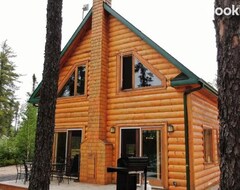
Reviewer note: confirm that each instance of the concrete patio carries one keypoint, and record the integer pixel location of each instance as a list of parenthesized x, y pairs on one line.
[(62, 186), (71, 186), (8, 177), (8, 182)]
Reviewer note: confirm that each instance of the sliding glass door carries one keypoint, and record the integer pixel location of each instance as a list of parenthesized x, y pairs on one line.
[(68, 150), (73, 152), (151, 148), (145, 142), (130, 143), (61, 147)]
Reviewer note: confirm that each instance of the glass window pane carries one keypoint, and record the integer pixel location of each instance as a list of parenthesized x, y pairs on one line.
[(61, 147), (127, 72), (130, 143), (68, 89), (207, 137), (144, 77), (151, 145), (81, 80), (73, 159)]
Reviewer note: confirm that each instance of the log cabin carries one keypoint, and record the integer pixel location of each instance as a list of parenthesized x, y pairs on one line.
[(122, 95)]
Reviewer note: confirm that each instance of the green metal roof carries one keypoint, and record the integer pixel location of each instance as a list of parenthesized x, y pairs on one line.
[(187, 77), (34, 99)]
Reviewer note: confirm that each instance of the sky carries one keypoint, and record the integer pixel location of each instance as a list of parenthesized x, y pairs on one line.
[(183, 28)]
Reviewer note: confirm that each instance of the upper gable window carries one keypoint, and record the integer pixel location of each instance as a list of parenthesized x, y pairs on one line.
[(136, 74), (76, 83)]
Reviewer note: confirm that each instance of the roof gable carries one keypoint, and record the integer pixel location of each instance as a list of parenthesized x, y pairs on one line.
[(187, 77), (160, 50)]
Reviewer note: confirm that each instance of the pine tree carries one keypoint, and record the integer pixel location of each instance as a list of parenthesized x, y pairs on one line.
[(25, 138), (228, 57), (41, 169), (8, 78)]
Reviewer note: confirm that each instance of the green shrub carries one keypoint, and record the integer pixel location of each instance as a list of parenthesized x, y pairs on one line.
[(7, 152)]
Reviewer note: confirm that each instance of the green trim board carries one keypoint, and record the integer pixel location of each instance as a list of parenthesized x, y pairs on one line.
[(187, 76), (34, 99), (209, 87)]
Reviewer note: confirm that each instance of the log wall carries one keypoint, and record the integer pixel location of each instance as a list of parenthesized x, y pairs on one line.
[(145, 107), (204, 114), (73, 111)]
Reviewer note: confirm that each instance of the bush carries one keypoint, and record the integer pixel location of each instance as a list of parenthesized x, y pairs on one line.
[(7, 152)]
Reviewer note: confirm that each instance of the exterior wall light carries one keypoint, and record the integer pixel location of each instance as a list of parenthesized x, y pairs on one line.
[(112, 130), (170, 128)]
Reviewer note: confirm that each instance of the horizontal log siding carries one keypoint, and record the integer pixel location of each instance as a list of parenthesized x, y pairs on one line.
[(72, 112), (138, 107), (204, 113), (80, 55)]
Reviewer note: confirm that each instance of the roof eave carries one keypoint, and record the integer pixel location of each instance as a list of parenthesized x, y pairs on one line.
[(33, 99), (192, 81), (179, 83), (209, 87)]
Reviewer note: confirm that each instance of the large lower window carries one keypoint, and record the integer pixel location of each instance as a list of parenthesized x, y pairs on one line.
[(208, 145), (138, 74), (76, 83)]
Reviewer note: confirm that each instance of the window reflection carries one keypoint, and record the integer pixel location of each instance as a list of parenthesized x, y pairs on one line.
[(151, 144), (208, 145), (144, 77), (68, 89), (136, 75), (75, 87), (81, 80)]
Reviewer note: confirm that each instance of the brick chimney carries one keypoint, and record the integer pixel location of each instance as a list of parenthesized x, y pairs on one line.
[(98, 72), (96, 153)]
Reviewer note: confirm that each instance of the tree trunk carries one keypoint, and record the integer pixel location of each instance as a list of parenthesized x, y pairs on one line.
[(41, 170), (228, 57)]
